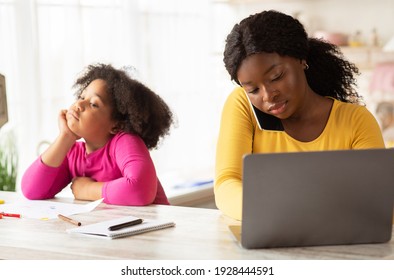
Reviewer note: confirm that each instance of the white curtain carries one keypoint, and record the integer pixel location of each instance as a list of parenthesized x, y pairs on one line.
[(174, 45)]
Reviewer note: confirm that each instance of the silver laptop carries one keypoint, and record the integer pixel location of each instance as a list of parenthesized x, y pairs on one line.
[(317, 198)]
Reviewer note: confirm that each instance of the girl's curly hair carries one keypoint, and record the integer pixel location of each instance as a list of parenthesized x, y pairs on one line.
[(329, 74), (136, 108)]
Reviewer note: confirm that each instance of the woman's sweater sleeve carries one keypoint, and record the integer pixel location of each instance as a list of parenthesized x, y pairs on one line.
[(235, 140), (366, 131), (138, 184), (42, 182)]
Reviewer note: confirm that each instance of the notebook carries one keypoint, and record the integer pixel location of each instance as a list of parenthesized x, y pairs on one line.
[(317, 198), (101, 229)]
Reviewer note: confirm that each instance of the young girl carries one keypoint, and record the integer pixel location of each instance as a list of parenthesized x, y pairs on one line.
[(119, 120)]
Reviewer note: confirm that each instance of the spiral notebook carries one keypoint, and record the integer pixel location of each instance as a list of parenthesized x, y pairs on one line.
[(101, 229)]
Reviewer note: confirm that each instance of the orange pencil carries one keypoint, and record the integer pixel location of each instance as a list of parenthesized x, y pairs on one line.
[(67, 219)]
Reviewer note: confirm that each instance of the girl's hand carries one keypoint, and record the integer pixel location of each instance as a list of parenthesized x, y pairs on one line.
[(57, 151), (63, 127), (85, 188)]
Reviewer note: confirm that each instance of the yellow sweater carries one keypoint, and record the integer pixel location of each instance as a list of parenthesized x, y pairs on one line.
[(349, 126)]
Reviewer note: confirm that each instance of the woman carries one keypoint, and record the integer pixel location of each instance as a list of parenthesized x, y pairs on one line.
[(296, 94)]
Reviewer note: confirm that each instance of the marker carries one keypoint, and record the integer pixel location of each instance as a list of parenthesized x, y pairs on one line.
[(10, 215), (127, 224), (67, 219)]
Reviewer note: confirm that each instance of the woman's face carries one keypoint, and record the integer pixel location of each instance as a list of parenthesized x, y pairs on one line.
[(90, 116), (275, 84)]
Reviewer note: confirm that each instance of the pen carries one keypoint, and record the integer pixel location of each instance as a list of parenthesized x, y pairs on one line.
[(127, 224), (67, 219), (10, 215), (193, 184)]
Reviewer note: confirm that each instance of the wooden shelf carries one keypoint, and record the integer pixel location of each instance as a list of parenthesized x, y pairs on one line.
[(367, 57)]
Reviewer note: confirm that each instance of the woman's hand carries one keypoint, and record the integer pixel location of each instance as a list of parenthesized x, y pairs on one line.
[(85, 188)]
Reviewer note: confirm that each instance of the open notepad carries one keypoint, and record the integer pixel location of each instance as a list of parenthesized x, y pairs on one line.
[(101, 229)]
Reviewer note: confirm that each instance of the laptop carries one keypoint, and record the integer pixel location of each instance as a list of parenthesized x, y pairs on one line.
[(317, 198)]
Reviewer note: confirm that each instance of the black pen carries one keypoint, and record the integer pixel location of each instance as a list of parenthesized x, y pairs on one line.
[(127, 224)]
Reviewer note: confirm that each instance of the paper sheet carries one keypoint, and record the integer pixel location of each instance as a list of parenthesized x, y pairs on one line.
[(43, 209)]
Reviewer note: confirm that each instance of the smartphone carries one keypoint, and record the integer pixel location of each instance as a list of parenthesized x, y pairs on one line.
[(266, 121)]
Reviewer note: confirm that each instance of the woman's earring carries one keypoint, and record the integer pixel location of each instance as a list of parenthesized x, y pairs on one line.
[(306, 66)]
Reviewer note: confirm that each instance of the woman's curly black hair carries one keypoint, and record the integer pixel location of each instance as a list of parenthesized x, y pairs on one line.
[(136, 108), (329, 74)]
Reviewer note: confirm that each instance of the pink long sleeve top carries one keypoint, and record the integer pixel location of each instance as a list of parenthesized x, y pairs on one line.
[(123, 164)]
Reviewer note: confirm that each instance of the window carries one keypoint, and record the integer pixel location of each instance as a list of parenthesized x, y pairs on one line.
[(44, 44)]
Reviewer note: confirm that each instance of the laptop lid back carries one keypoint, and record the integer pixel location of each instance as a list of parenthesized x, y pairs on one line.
[(317, 198)]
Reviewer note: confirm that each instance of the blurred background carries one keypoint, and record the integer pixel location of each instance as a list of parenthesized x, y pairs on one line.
[(173, 46)]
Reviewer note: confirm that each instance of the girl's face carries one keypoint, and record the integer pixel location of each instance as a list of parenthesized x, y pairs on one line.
[(275, 84), (90, 116)]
